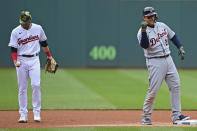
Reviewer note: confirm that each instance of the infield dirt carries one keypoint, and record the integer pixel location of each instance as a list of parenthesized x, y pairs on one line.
[(88, 118)]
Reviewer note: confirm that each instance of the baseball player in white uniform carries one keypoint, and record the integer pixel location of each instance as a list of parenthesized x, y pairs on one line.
[(153, 38), (25, 44)]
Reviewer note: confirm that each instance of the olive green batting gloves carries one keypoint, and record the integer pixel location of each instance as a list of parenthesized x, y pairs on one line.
[(144, 26), (182, 52)]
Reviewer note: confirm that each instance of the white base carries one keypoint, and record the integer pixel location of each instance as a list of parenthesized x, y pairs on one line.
[(188, 122)]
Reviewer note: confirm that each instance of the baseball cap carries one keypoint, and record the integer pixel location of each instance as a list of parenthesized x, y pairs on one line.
[(149, 11), (25, 17)]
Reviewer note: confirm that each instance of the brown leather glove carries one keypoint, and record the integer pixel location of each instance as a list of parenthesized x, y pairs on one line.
[(51, 66)]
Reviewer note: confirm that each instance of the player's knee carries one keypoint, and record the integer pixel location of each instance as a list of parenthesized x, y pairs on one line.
[(35, 84), (151, 97), (152, 93), (175, 88)]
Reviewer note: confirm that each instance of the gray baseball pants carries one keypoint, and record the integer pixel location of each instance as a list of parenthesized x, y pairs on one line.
[(162, 69)]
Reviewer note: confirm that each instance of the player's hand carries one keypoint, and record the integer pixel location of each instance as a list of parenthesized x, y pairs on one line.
[(144, 26), (17, 63), (182, 52)]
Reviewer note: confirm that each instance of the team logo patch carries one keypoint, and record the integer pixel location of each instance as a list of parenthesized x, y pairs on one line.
[(153, 41), (27, 40)]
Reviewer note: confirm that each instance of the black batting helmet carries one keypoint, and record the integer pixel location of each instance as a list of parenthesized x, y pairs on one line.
[(149, 11)]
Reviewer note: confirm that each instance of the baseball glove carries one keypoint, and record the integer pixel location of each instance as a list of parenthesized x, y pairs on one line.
[(51, 66)]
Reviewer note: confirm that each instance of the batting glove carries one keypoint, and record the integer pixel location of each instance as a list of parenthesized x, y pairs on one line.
[(144, 26), (182, 52)]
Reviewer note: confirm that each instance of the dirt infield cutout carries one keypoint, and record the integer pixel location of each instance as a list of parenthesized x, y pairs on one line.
[(88, 118)]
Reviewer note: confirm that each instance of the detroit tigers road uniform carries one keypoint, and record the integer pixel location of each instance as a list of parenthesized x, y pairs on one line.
[(160, 67), (27, 43)]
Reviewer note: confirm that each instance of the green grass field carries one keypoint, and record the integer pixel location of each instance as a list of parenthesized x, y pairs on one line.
[(98, 89)]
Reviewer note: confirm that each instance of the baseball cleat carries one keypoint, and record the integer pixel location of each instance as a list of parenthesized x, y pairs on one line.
[(146, 121), (23, 119), (181, 118), (37, 117)]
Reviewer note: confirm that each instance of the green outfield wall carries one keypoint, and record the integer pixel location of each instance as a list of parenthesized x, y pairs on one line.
[(100, 33)]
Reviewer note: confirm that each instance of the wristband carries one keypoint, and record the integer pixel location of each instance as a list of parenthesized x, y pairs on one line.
[(14, 56), (48, 53)]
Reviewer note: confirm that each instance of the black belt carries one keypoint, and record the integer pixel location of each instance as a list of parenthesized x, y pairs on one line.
[(30, 55), (159, 56)]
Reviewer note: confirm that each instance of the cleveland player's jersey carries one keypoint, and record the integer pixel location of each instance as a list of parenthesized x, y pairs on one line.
[(27, 41), (158, 40)]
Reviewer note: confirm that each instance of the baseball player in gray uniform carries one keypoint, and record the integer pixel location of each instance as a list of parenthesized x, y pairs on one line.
[(25, 44), (153, 37)]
